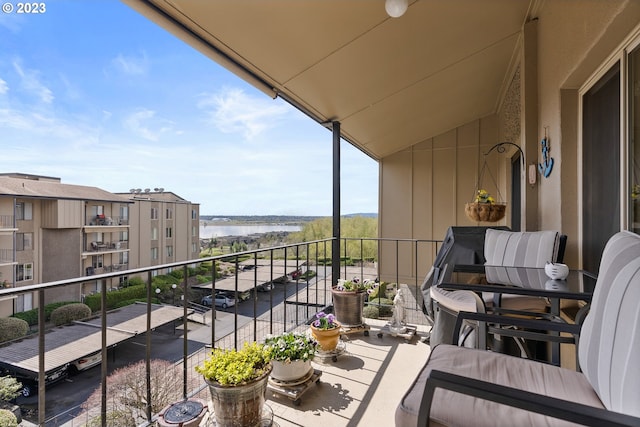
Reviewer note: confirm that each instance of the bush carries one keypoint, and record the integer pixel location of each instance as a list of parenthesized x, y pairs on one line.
[(116, 297), (69, 313), (134, 281), (31, 316), (7, 419), (12, 328), (178, 274), (9, 388), (384, 305), (371, 312)]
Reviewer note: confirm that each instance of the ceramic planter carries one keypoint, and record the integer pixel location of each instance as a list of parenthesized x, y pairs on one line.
[(348, 306), (290, 371), (241, 405), (327, 338)]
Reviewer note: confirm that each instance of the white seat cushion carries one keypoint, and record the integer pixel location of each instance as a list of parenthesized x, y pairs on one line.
[(453, 409)]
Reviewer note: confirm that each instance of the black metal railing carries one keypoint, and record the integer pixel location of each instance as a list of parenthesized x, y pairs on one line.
[(298, 281)]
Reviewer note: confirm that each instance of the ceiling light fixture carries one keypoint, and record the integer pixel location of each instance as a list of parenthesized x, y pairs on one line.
[(396, 8)]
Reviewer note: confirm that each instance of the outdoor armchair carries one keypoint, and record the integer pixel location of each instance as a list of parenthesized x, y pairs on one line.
[(461, 387)]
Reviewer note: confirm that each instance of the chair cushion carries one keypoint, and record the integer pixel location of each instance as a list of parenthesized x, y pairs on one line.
[(454, 409), (610, 335), (522, 249)]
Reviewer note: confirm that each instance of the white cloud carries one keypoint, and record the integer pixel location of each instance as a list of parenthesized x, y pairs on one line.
[(4, 87), (233, 111), (131, 65), (145, 124), (30, 81)]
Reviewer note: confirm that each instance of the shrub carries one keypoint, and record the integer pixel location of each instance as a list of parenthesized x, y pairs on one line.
[(371, 312), (69, 313), (384, 305), (31, 316), (116, 297), (178, 274), (7, 419), (9, 388), (134, 281), (12, 328)]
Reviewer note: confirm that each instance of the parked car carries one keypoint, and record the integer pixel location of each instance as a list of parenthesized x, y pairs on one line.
[(265, 287), (86, 362), (221, 300), (30, 381)]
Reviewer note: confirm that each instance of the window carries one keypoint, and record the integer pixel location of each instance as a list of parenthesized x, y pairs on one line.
[(123, 258), (194, 247), (24, 211), (154, 253), (24, 272), (169, 213), (169, 232), (124, 236), (24, 241), (97, 261), (194, 231), (124, 214), (194, 214), (169, 251), (154, 213)]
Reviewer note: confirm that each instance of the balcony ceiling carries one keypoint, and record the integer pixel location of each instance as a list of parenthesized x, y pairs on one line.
[(390, 82)]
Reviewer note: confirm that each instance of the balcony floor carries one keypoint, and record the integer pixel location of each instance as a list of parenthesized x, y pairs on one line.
[(361, 388)]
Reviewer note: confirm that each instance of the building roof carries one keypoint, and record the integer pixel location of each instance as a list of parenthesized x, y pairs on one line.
[(155, 196), (49, 189), (65, 344)]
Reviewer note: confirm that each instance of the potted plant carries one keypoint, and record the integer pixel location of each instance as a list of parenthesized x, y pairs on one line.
[(349, 297), (326, 330), (237, 382), (291, 354), (485, 208)]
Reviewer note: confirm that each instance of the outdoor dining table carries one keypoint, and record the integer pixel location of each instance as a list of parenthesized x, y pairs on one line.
[(500, 280)]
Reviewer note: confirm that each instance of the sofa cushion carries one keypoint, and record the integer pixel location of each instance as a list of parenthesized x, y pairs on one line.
[(453, 409)]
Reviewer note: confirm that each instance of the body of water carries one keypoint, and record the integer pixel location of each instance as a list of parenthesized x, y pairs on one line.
[(243, 230)]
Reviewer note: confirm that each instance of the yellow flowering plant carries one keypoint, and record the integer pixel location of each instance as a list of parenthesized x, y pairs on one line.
[(482, 196)]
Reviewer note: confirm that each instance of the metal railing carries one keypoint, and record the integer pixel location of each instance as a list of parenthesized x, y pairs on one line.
[(300, 285), (6, 221)]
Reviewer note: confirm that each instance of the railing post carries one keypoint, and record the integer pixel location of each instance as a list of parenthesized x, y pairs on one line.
[(185, 327), (41, 364), (335, 244), (147, 356)]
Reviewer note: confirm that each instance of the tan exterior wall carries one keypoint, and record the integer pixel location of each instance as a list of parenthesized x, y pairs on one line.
[(423, 189)]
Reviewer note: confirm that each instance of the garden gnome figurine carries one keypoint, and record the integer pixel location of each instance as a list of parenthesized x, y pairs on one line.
[(397, 321)]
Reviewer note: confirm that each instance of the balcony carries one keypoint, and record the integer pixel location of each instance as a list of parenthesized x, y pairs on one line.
[(6, 223), (106, 221), (114, 246), (361, 387)]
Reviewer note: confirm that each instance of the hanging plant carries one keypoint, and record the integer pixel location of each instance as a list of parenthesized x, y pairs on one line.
[(484, 208)]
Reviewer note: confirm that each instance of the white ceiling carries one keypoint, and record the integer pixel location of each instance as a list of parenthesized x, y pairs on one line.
[(390, 82)]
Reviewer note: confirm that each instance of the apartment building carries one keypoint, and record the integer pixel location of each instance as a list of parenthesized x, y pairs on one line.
[(164, 228), (53, 231)]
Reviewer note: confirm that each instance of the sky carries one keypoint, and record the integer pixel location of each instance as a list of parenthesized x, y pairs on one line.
[(94, 93)]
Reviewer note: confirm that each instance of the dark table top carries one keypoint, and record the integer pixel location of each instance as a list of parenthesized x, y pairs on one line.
[(578, 285)]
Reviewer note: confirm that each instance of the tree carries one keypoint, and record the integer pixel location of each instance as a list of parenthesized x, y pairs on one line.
[(127, 392)]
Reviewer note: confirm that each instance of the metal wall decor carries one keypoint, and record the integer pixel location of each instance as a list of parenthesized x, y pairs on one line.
[(547, 161)]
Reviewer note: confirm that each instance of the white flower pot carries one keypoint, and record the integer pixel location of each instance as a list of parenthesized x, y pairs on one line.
[(290, 371)]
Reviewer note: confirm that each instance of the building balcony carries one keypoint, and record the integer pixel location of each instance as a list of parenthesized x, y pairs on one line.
[(106, 221), (102, 247), (361, 387), (7, 223)]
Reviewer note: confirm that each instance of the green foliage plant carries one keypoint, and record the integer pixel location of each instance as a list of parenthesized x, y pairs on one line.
[(235, 367), (371, 312), (291, 346), (12, 328), (9, 388), (8, 419), (69, 313), (384, 305)]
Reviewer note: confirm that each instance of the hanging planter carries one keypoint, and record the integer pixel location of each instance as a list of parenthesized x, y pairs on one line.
[(484, 208), (487, 212)]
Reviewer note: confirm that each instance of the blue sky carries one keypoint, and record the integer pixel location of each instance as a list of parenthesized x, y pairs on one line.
[(94, 93)]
